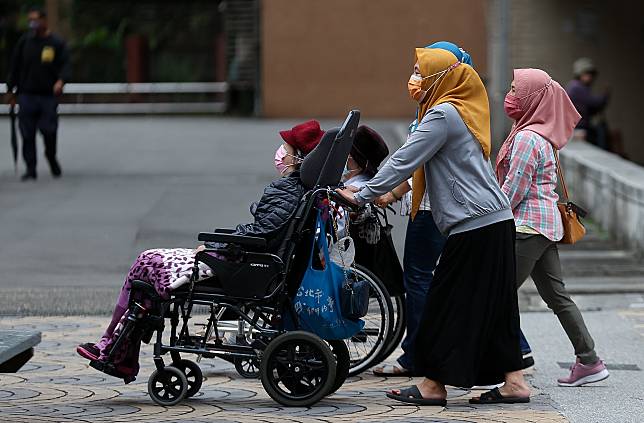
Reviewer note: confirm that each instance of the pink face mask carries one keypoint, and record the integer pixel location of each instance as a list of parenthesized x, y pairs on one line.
[(281, 167), (280, 155), (512, 107)]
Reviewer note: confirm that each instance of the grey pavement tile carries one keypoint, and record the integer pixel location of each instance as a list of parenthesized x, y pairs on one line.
[(56, 387)]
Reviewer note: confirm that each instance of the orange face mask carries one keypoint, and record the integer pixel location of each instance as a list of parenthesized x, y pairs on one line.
[(414, 86), (415, 83)]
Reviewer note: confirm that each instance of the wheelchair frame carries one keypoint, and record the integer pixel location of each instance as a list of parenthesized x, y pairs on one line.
[(327, 364)]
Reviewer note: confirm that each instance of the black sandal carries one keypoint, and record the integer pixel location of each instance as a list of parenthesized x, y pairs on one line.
[(496, 397), (412, 395)]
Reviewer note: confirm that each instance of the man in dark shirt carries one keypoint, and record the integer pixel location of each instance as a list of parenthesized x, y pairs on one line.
[(587, 104), (39, 69)]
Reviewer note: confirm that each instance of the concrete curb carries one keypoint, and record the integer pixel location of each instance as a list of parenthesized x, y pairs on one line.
[(611, 188)]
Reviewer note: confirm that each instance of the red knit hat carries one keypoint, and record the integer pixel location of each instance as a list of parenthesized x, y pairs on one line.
[(304, 137)]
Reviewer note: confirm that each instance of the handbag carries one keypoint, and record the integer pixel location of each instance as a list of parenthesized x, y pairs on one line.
[(317, 301), (574, 230), (354, 298), (381, 258), (343, 252), (354, 295)]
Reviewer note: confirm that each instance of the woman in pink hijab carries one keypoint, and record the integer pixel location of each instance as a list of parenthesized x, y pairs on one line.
[(544, 119)]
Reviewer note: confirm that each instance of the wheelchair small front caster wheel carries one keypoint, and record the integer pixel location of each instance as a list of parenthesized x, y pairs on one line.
[(193, 374), (168, 386), (247, 367), (298, 369)]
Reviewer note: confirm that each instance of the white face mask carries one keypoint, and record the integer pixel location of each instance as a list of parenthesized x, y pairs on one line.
[(347, 171)]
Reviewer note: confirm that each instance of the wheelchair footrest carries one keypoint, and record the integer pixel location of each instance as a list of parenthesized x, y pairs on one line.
[(109, 369)]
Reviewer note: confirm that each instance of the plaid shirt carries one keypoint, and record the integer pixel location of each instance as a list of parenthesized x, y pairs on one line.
[(529, 175)]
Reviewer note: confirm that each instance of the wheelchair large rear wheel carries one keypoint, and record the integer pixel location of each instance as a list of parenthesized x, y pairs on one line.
[(168, 386), (343, 363), (398, 330), (298, 369), (365, 347)]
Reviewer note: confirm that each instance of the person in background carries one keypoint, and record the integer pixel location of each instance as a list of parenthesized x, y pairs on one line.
[(588, 104), (367, 152), (526, 168), (39, 69), (423, 246)]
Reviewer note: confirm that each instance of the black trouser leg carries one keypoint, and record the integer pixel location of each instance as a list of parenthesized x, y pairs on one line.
[(27, 121), (50, 145), (48, 125)]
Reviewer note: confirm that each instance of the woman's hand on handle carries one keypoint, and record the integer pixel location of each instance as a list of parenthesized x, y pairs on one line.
[(384, 200), (347, 194)]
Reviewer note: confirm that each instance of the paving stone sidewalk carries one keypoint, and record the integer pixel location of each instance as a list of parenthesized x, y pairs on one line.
[(58, 386)]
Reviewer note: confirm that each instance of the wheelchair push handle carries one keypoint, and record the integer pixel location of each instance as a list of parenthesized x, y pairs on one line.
[(337, 198)]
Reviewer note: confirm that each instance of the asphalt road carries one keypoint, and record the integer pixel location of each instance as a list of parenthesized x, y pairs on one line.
[(129, 184)]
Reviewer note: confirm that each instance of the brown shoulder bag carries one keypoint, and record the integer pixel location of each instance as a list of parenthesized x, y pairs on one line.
[(574, 230)]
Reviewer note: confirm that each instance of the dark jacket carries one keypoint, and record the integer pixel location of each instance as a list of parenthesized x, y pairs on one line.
[(37, 63), (586, 103), (273, 211)]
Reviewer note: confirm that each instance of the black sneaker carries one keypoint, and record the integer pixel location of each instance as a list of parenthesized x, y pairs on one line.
[(528, 360), (56, 171), (28, 176)]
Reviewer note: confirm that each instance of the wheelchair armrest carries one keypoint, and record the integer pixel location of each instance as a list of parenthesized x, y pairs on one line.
[(224, 231), (244, 241)]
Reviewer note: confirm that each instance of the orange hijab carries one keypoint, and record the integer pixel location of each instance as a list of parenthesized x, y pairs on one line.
[(458, 84)]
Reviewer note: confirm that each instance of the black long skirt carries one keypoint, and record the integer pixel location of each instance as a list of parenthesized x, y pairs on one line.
[(469, 331)]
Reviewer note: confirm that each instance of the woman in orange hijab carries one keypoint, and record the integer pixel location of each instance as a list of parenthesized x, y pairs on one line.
[(469, 330)]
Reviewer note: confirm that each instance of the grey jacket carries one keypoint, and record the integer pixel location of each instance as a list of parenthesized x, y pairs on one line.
[(462, 189)]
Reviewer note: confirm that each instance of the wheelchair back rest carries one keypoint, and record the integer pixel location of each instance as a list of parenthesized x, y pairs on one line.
[(253, 277), (324, 165)]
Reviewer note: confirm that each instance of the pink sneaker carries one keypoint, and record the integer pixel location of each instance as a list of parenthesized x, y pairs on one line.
[(580, 374), (89, 351)]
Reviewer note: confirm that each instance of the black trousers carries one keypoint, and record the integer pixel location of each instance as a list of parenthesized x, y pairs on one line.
[(469, 331), (37, 112)]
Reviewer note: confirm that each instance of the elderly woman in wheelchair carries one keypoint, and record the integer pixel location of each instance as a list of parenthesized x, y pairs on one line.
[(253, 272), (168, 269)]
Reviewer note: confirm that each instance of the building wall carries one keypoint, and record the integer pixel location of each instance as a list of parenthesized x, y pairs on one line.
[(552, 34), (322, 58)]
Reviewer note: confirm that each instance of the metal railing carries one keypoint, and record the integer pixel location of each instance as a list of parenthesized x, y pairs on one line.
[(74, 96)]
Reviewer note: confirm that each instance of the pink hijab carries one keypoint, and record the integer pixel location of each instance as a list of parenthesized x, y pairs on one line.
[(548, 112)]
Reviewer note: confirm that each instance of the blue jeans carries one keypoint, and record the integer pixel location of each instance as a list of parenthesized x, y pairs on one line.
[(423, 245), (523, 343)]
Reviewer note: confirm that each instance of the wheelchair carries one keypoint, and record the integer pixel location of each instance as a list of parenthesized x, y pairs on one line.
[(296, 368)]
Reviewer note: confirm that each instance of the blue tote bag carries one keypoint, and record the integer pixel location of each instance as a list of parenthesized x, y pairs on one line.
[(317, 302)]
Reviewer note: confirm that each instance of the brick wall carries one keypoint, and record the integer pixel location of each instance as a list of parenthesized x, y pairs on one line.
[(321, 58)]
